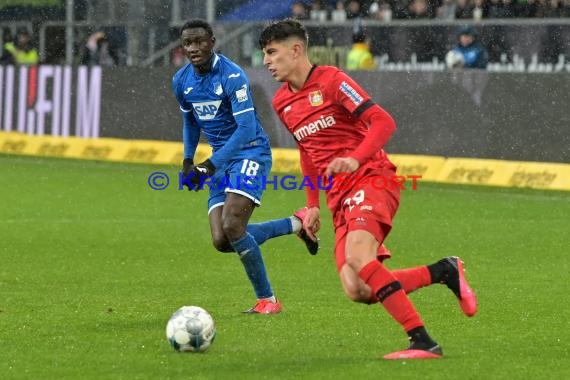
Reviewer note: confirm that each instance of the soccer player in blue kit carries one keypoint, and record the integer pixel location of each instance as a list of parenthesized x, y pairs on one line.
[(215, 98)]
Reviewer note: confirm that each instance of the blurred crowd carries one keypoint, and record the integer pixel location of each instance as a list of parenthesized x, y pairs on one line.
[(108, 46), (386, 10), (98, 50), (18, 49)]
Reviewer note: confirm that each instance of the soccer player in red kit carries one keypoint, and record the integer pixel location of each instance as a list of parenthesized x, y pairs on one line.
[(340, 133)]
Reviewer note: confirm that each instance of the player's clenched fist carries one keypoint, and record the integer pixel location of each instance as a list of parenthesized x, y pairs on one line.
[(194, 175), (342, 165), (187, 166)]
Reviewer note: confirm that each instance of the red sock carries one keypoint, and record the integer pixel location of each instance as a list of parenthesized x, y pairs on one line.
[(389, 291), (413, 278)]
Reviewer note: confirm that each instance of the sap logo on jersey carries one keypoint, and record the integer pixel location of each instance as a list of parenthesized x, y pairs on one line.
[(207, 110), (314, 127)]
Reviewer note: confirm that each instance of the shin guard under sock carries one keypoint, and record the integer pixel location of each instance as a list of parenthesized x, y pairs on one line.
[(390, 293), (261, 232), (413, 278), (252, 261)]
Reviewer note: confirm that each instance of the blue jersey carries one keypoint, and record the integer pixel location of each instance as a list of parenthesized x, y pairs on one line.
[(219, 103), (474, 55)]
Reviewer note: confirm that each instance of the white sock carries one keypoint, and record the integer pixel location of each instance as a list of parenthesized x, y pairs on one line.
[(272, 299), (296, 224)]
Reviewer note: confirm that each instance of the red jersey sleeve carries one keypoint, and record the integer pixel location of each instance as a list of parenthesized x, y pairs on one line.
[(347, 92), (381, 126), (311, 172), (358, 102)]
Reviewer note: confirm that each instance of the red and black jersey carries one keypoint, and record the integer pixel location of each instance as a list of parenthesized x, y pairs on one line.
[(324, 118)]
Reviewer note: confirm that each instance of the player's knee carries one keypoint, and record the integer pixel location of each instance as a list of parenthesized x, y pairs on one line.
[(233, 228), (354, 288), (357, 259), (221, 244), (358, 295)]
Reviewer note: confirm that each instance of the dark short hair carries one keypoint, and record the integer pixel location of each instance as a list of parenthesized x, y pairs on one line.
[(198, 23), (23, 32), (281, 30), (358, 37), (467, 30)]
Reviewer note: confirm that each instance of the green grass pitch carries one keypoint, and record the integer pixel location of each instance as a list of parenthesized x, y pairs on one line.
[(93, 262)]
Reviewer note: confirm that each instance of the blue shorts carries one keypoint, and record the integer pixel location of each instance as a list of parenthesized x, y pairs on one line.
[(243, 176)]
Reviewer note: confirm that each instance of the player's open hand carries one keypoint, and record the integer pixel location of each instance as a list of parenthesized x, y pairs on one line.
[(312, 222), (342, 165)]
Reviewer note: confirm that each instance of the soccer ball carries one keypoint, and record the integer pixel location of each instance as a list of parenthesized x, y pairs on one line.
[(454, 59), (190, 329)]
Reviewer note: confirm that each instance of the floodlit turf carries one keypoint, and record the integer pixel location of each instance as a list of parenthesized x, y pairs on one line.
[(93, 262)]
